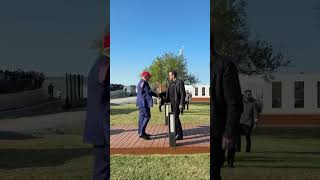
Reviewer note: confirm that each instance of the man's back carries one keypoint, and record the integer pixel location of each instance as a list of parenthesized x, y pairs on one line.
[(226, 95), (144, 95)]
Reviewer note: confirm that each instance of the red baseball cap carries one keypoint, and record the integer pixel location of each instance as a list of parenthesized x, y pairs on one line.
[(106, 42), (146, 73)]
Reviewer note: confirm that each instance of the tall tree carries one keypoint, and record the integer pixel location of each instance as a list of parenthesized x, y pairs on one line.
[(231, 39), (161, 66)]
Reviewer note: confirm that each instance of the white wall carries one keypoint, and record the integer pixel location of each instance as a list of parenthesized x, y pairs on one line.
[(191, 89), (261, 87)]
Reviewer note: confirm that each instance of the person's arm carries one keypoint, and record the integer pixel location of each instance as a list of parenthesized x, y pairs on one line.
[(183, 95), (148, 90), (233, 99)]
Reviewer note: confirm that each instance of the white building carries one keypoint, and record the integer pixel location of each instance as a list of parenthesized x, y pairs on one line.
[(199, 91), (286, 93)]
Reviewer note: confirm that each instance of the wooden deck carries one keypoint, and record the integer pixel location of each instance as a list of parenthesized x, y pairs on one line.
[(125, 140)]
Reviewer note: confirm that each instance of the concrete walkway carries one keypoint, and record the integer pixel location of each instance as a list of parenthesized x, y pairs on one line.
[(59, 121), (120, 101)]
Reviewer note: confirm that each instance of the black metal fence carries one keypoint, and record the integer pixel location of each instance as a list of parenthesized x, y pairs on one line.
[(74, 90)]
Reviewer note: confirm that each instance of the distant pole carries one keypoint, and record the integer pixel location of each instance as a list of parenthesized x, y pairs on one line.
[(74, 88), (71, 89), (79, 91), (82, 86), (67, 90)]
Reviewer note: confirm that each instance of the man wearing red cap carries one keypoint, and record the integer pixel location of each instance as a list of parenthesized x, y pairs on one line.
[(97, 128), (144, 102)]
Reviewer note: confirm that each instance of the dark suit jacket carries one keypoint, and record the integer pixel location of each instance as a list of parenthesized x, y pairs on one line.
[(226, 101), (144, 95), (180, 93), (97, 128)]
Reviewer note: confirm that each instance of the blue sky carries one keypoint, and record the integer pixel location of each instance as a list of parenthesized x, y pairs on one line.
[(144, 29), (50, 36), (292, 26)]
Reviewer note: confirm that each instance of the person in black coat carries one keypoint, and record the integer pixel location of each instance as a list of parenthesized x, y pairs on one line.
[(225, 110), (176, 94)]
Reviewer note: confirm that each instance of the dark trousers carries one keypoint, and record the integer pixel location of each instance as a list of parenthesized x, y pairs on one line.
[(216, 157), (101, 166), (176, 111), (231, 155), (186, 104), (144, 117), (244, 130)]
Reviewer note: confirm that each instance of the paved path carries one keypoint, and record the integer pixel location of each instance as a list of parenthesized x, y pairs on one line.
[(61, 121), (119, 101)]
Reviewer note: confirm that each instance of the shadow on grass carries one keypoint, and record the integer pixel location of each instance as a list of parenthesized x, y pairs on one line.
[(9, 135), (289, 152), (193, 113), (259, 159), (26, 158), (281, 167), (289, 133), (122, 111)]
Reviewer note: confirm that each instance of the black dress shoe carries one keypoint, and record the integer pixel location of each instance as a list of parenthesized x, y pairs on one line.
[(145, 137), (179, 137)]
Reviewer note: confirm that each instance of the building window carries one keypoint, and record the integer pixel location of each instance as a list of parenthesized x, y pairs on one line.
[(196, 92), (318, 94), (203, 91), (276, 95), (299, 94)]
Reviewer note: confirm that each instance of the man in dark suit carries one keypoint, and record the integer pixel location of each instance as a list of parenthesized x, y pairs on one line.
[(144, 102), (226, 109), (97, 123), (176, 94)]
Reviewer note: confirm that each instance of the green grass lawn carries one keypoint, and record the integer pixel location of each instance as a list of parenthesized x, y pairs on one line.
[(160, 167), (128, 114), (44, 157), (277, 154)]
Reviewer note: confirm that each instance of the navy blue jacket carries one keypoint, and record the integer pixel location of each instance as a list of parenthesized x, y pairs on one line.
[(97, 127), (144, 95)]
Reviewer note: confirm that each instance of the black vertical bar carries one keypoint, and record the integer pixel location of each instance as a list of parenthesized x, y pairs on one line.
[(82, 80), (71, 89), (79, 87), (74, 88), (66, 90)]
